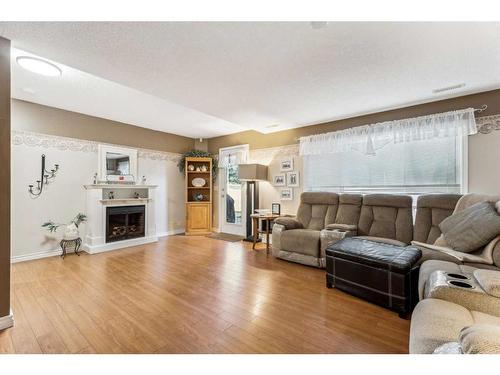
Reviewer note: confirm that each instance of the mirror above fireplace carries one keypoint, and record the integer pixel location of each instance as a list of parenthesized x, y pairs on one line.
[(117, 164)]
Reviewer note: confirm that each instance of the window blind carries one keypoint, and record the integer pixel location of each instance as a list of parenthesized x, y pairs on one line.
[(423, 166)]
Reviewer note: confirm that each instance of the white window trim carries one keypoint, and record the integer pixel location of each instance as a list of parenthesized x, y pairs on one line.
[(464, 171)]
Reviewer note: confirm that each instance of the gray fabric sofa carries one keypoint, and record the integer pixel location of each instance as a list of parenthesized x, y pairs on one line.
[(323, 218), (441, 317)]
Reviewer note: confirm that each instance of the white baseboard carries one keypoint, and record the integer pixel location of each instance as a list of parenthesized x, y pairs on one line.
[(7, 321), (38, 255), (215, 230), (110, 246), (58, 252)]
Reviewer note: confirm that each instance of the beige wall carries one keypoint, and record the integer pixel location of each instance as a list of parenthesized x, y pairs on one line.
[(270, 149), (4, 177), (78, 160), (40, 130), (52, 121), (287, 137), (484, 163)]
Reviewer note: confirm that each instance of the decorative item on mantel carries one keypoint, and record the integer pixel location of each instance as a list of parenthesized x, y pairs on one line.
[(111, 195), (136, 195), (71, 235), (45, 176)]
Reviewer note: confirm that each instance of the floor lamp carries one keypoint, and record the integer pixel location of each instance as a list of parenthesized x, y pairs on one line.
[(252, 174)]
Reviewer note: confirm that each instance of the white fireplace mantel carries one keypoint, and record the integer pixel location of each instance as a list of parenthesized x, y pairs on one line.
[(97, 200)]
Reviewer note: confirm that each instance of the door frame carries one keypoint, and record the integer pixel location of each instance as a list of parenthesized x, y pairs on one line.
[(222, 181)]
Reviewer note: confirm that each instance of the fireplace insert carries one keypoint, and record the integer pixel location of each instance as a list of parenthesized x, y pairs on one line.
[(124, 223)]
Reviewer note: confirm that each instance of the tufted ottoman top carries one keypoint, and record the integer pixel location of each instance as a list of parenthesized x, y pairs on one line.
[(398, 259)]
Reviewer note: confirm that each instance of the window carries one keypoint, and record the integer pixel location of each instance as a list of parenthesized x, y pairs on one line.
[(437, 165)]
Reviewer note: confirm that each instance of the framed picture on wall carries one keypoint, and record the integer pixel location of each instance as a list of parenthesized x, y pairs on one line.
[(276, 209), (286, 165), (279, 180), (292, 179), (286, 194)]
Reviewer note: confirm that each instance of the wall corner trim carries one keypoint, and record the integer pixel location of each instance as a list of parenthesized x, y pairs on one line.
[(7, 321)]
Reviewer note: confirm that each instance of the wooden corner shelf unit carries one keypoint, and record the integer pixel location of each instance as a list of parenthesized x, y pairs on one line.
[(198, 198)]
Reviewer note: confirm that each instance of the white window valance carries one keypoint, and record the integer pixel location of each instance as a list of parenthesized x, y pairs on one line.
[(367, 139)]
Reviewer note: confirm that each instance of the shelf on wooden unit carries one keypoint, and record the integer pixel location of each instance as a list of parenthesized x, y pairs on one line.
[(198, 212)]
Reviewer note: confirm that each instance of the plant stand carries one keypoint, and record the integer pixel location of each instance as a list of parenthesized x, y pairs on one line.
[(75, 243)]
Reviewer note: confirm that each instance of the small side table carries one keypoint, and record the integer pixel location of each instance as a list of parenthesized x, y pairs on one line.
[(269, 220), (75, 243)]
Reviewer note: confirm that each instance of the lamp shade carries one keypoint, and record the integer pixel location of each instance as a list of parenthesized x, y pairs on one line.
[(252, 172)]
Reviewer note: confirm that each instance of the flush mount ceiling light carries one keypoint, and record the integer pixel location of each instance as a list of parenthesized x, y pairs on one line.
[(39, 66)]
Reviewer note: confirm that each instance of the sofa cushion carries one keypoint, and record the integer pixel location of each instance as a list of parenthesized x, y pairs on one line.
[(302, 241), (432, 209), (480, 339), (309, 197), (472, 227), (317, 209), (388, 216), (349, 209), (435, 322)]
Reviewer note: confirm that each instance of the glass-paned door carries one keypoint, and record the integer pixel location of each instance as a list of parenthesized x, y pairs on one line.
[(232, 191)]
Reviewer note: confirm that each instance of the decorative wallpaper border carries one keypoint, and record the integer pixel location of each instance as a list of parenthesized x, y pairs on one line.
[(487, 124), (269, 153), (33, 139)]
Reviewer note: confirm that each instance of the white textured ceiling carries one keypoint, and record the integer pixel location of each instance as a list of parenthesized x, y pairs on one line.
[(206, 79), (86, 93)]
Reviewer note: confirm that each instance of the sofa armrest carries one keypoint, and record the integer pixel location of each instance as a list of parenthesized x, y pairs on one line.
[(276, 238), (342, 227), (289, 223), (328, 237)]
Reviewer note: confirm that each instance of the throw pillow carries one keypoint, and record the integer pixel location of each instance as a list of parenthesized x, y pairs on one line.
[(480, 339), (471, 228)]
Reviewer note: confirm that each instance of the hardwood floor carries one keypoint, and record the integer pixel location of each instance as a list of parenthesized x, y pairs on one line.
[(190, 295)]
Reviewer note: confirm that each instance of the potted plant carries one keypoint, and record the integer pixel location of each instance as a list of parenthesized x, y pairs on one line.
[(70, 230)]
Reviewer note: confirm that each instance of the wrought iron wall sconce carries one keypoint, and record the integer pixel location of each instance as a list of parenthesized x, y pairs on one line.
[(45, 176)]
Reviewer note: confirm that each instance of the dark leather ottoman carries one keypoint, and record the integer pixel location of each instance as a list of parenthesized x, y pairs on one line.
[(377, 272)]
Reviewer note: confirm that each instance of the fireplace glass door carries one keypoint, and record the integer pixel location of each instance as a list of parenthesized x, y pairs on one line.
[(124, 223)]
